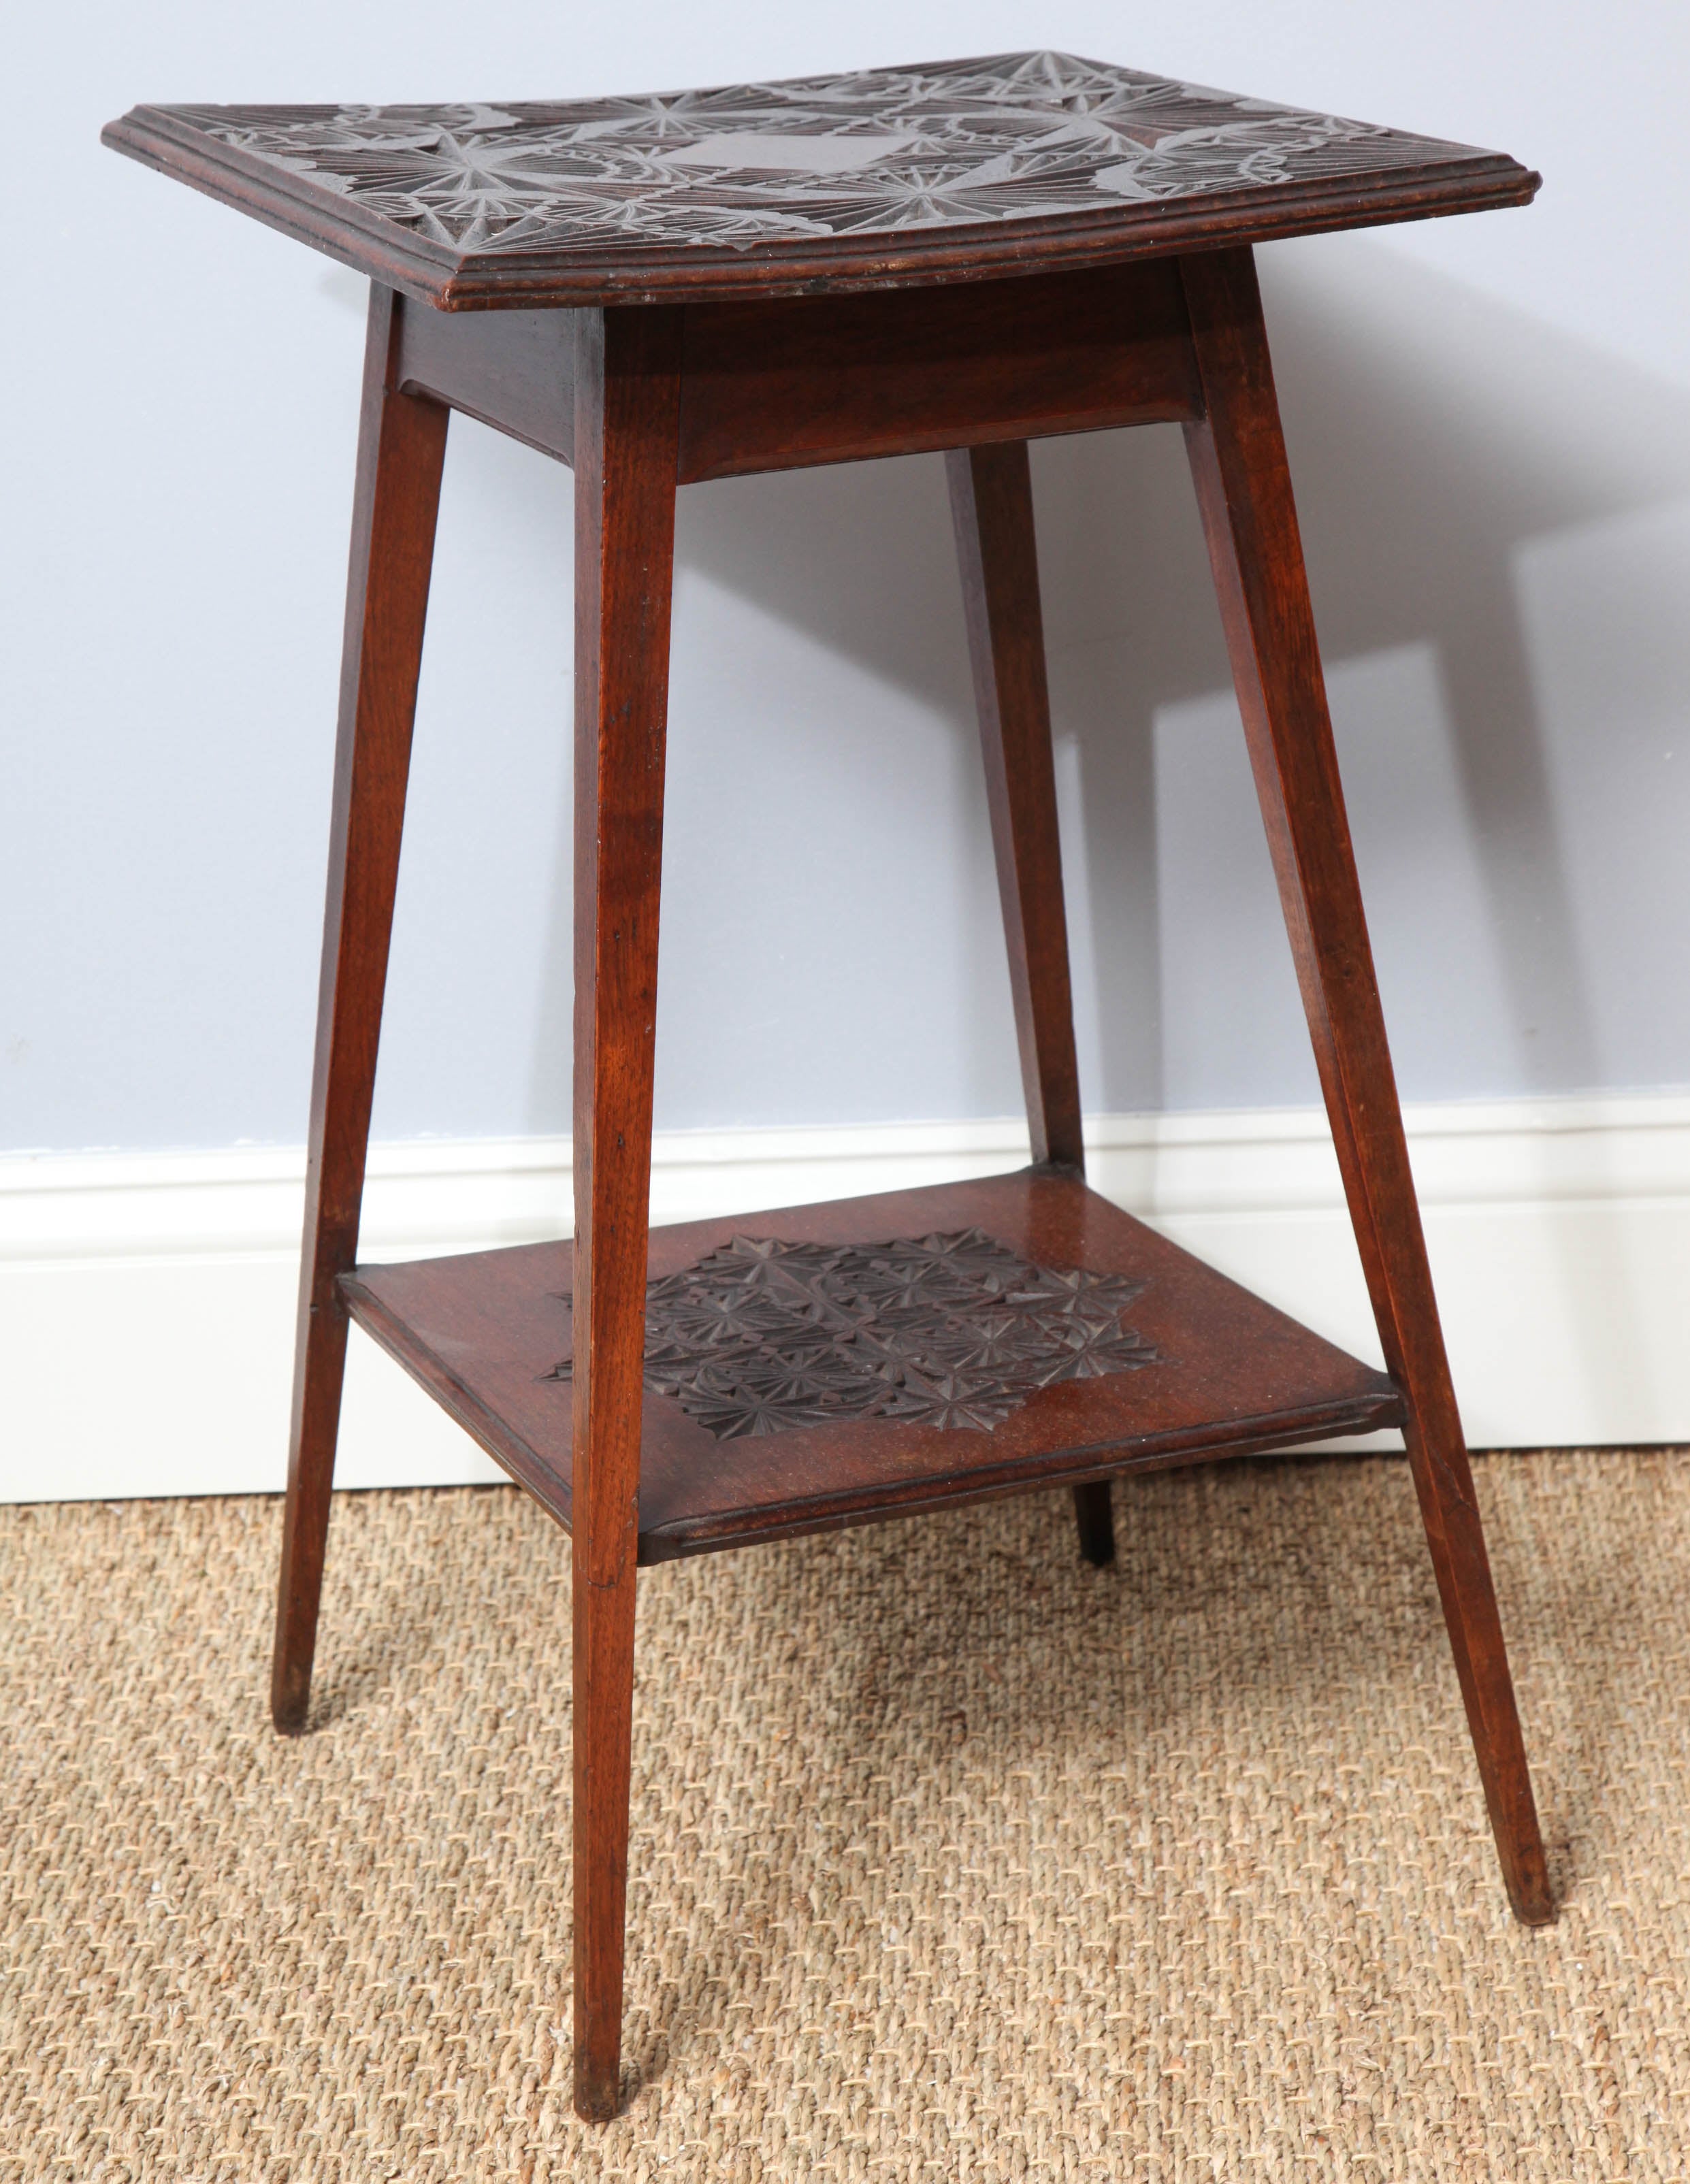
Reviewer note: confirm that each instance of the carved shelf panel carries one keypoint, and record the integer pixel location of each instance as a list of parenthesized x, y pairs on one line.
[(954, 1330), (803, 1373)]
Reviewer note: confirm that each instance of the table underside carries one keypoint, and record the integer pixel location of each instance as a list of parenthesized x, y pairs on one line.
[(1151, 1359)]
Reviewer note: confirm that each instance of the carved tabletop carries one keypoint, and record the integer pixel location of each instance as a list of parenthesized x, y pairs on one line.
[(887, 178)]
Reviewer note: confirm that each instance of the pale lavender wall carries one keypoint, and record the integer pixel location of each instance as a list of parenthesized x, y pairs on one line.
[(1490, 425)]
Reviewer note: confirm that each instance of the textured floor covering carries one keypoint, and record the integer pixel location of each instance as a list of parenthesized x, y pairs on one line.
[(953, 1858)]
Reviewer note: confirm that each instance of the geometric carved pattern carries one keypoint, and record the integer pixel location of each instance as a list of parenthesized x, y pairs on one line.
[(1013, 136), (953, 1330)]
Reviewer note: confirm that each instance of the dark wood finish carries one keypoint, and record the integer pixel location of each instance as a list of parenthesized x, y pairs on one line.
[(483, 1332), (991, 507), (1243, 485), (512, 369), (776, 386), (1015, 163), (626, 422), (401, 449), (953, 1329), (1094, 1515), (830, 379), (959, 256)]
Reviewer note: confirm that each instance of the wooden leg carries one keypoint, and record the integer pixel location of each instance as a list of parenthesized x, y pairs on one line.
[(1244, 490), (627, 443), (991, 506), (401, 448), (1094, 1515)]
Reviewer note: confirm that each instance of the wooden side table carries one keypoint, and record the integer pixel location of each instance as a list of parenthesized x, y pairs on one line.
[(663, 289)]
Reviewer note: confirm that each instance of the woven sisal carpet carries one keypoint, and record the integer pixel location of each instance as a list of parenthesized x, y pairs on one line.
[(952, 1859)]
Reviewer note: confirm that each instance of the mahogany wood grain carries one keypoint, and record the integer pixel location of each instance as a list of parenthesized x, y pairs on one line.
[(512, 369), (628, 409), (484, 1331), (836, 379), (401, 449), (790, 322), (1243, 485), (776, 386), (991, 507)]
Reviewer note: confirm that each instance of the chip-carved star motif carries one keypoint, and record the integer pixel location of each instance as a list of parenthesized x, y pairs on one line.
[(956, 144), (954, 1331)]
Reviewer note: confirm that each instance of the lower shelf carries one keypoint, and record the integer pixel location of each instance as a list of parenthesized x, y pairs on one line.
[(829, 1365)]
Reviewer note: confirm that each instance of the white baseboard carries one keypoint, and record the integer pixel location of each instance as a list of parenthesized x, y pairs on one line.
[(147, 1301)]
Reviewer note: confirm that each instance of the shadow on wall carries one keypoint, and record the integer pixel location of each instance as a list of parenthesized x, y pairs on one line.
[(1465, 477)]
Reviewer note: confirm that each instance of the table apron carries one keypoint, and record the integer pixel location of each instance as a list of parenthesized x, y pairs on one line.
[(795, 382)]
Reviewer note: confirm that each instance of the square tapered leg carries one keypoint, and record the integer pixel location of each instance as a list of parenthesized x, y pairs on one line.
[(401, 451), (1243, 483), (628, 391), (991, 507)]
